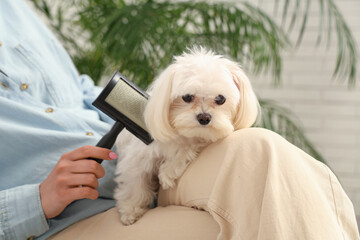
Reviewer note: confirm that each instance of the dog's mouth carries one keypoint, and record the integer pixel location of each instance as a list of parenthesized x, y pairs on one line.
[(205, 132), (205, 125)]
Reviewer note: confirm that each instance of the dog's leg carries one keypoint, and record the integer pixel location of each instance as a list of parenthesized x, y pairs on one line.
[(173, 167), (136, 185), (133, 196)]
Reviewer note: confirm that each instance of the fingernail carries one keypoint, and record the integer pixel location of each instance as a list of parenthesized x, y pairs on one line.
[(113, 155)]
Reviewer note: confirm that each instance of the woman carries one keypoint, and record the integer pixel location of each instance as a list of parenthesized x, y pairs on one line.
[(252, 185)]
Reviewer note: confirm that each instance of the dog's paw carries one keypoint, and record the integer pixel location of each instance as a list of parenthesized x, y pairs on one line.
[(166, 182), (131, 215)]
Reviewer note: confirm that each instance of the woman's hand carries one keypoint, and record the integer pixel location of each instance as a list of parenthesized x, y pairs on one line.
[(74, 177)]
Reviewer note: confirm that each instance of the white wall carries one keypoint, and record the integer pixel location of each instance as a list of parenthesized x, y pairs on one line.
[(329, 110)]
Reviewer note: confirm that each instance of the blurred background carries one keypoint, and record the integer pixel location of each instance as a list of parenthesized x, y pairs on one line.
[(302, 57)]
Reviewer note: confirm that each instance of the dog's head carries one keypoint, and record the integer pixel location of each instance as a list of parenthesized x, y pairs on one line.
[(200, 95)]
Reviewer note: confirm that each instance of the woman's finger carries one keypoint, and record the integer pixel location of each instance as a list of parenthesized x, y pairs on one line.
[(81, 193), (86, 166), (84, 180), (90, 152)]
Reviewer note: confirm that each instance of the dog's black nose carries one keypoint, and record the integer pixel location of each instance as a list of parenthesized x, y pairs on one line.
[(203, 118)]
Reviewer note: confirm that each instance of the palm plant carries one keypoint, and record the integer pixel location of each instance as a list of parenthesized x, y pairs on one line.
[(140, 37)]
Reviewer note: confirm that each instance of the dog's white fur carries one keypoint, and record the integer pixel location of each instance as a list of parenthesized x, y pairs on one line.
[(173, 124)]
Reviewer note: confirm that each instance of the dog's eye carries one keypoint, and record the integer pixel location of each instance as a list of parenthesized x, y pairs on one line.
[(220, 100), (188, 98)]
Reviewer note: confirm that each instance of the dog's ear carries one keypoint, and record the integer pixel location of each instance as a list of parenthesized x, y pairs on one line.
[(156, 113), (248, 108)]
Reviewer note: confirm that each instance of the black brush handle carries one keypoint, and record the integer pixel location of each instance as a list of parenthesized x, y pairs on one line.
[(108, 140)]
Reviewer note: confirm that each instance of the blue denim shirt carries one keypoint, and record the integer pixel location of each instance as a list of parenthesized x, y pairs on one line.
[(45, 111)]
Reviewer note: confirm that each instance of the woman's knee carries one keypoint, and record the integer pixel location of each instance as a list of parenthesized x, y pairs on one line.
[(254, 135), (250, 140)]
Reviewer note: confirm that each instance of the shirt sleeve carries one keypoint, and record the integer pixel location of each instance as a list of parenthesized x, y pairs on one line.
[(21, 214)]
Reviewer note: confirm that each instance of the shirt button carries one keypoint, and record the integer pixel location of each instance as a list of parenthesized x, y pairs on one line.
[(49, 110), (4, 85), (24, 86), (89, 134)]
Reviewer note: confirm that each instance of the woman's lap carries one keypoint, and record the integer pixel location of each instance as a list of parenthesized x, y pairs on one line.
[(254, 184)]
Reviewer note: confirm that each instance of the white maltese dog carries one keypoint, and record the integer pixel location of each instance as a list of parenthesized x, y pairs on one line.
[(197, 100)]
